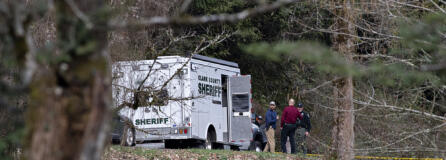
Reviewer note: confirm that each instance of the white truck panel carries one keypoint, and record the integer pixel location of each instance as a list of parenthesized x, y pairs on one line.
[(208, 109)]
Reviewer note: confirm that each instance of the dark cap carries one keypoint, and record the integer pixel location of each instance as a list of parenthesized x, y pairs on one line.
[(300, 105)]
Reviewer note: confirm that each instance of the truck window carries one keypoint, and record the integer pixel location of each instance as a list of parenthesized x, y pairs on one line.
[(161, 98), (156, 97), (224, 90), (240, 102)]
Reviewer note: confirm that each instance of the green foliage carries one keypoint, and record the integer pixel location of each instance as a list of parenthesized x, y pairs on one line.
[(425, 40), (246, 32), (397, 75), (328, 61), (12, 130), (87, 48), (10, 143), (325, 59), (204, 7), (427, 34)]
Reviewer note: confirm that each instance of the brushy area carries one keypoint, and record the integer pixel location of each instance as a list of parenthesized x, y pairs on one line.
[(139, 153)]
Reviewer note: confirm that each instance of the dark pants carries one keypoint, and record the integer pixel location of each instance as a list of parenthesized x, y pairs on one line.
[(288, 131), (300, 140)]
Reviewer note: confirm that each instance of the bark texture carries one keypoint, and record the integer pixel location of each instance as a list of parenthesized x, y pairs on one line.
[(70, 96), (343, 134)]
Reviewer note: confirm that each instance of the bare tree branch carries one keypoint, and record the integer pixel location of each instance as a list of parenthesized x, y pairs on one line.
[(163, 51), (435, 67), (411, 5), (163, 20), (405, 138), (79, 14), (439, 8), (340, 33), (216, 40), (383, 104), (319, 86), (185, 6), (405, 61), (30, 61)]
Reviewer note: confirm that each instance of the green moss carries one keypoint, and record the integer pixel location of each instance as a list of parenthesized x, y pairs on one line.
[(86, 71)]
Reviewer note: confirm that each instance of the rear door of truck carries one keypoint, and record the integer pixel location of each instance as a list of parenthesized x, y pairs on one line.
[(239, 107), (164, 113)]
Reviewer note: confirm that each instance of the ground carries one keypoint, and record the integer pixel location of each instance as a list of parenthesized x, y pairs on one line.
[(139, 153)]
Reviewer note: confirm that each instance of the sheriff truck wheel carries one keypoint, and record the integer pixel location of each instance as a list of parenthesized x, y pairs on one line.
[(211, 137), (208, 143), (128, 136)]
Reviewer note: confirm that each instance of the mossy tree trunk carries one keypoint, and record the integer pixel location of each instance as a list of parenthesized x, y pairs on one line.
[(70, 96), (343, 134)]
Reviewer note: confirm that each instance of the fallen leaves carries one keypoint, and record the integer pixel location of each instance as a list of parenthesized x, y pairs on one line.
[(139, 153)]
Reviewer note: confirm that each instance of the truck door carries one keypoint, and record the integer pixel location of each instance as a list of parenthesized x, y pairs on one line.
[(239, 107)]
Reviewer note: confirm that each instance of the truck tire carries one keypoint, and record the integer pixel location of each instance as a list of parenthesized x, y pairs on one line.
[(201, 145), (208, 143), (235, 148), (209, 140), (172, 144), (128, 136)]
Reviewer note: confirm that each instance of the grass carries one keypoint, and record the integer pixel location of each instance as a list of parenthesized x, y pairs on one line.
[(119, 152)]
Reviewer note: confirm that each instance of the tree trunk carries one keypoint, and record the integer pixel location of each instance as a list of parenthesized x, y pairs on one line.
[(68, 113), (343, 134)]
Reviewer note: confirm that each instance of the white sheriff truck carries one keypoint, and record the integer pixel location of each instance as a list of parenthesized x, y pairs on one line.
[(185, 101)]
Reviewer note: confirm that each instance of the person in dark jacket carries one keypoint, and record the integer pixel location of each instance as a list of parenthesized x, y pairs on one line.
[(262, 129), (270, 125), (288, 125), (303, 129)]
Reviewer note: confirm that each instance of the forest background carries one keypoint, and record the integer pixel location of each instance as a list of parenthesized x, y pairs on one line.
[(373, 69)]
